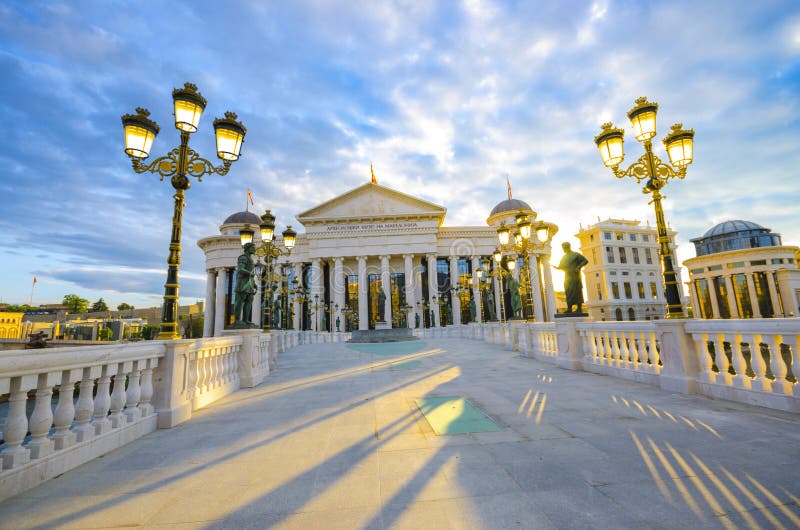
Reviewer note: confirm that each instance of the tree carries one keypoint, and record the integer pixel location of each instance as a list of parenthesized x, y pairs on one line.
[(99, 306), (75, 303), (124, 306)]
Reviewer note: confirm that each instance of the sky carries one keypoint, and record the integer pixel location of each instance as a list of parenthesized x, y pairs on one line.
[(444, 98)]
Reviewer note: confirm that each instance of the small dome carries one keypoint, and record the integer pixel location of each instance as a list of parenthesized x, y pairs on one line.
[(243, 218), (510, 205), (728, 227)]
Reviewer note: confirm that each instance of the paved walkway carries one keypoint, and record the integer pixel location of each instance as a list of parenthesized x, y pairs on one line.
[(334, 439)]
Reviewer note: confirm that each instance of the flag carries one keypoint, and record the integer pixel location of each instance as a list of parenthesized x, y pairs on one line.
[(34, 280), (508, 184), (250, 196), (374, 180)]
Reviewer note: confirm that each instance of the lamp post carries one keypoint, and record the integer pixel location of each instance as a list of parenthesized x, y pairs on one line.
[(679, 144), (178, 164), (521, 242), (316, 308), (269, 251)]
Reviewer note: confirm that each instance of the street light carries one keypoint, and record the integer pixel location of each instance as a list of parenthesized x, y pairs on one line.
[(679, 144), (521, 242), (140, 132), (269, 251)]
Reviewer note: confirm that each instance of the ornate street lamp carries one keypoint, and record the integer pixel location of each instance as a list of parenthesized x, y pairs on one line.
[(679, 144), (269, 251), (178, 164)]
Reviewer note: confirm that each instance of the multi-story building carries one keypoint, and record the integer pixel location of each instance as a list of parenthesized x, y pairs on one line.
[(743, 271), (623, 276)]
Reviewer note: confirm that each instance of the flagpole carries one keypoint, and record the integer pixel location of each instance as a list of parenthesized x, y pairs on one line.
[(33, 286)]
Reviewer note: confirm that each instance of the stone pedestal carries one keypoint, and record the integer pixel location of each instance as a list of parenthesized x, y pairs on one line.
[(383, 325)]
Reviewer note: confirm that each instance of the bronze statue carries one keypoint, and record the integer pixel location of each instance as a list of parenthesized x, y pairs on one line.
[(516, 300), (276, 313), (571, 264), (488, 306), (338, 321), (245, 287), (381, 305), (37, 340), (416, 319), (472, 311)]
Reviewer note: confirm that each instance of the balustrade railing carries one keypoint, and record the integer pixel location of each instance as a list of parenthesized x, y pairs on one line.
[(626, 345), (544, 341)]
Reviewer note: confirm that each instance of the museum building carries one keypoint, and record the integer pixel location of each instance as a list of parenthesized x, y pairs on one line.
[(374, 236)]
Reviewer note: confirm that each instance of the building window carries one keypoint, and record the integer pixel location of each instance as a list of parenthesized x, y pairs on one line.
[(640, 289), (623, 256), (618, 314), (620, 236), (762, 294), (645, 237), (704, 298), (742, 295), (653, 291), (610, 254), (627, 287), (607, 235), (631, 314), (591, 237), (721, 292), (757, 262), (777, 261), (632, 237), (648, 256), (615, 290), (715, 267), (599, 292), (635, 252), (594, 256)]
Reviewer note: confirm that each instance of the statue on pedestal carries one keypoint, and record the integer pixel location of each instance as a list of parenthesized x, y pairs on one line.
[(416, 320), (338, 321), (488, 305), (381, 305), (571, 264), (245, 288), (516, 300), (472, 311)]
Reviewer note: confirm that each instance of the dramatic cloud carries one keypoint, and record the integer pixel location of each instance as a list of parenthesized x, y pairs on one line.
[(445, 99)]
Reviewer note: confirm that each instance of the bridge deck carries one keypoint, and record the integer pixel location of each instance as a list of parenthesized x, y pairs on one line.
[(334, 439)]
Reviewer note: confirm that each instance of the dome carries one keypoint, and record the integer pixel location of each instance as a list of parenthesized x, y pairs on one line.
[(243, 218), (728, 227), (510, 205)]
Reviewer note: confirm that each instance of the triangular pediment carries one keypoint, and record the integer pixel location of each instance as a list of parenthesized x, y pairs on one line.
[(371, 201)]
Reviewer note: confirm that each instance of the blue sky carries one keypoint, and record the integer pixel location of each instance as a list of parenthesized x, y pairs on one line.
[(445, 98)]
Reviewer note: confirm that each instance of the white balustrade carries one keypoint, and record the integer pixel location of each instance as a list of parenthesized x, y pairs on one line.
[(623, 349), (544, 343)]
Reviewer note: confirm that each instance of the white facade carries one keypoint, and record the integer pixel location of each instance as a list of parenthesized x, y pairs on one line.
[(623, 276), (371, 238)]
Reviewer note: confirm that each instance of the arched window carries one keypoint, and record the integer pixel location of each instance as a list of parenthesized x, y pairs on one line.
[(619, 314), (631, 314)]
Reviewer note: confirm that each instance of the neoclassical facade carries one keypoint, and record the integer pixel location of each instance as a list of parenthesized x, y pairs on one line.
[(372, 239), (743, 271)]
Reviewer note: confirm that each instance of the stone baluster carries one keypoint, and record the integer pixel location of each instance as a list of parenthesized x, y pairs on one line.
[(84, 430), (194, 375), (722, 359), (42, 418), (16, 426), (704, 357), (655, 357), (615, 349), (759, 367), (625, 349), (593, 339), (741, 379), (134, 393), (644, 356), (147, 388), (118, 398), (633, 350), (780, 384), (65, 411)]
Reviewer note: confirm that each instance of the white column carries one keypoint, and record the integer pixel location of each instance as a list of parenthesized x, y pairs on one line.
[(731, 297), (386, 285), (695, 300), (751, 288), (550, 295), (316, 291), (208, 317), (339, 287), (363, 316), (408, 269), (219, 302), (712, 290), (455, 301), (433, 290), (297, 306), (536, 288), (476, 289), (773, 294)]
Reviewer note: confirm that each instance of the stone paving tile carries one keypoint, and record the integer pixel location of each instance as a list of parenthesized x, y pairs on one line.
[(333, 439)]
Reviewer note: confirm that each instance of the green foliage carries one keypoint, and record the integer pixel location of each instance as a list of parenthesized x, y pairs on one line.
[(124, 306), (105, 334), (99, 306), (16, 308), (75, 303), (150, 332), (193, 327)]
